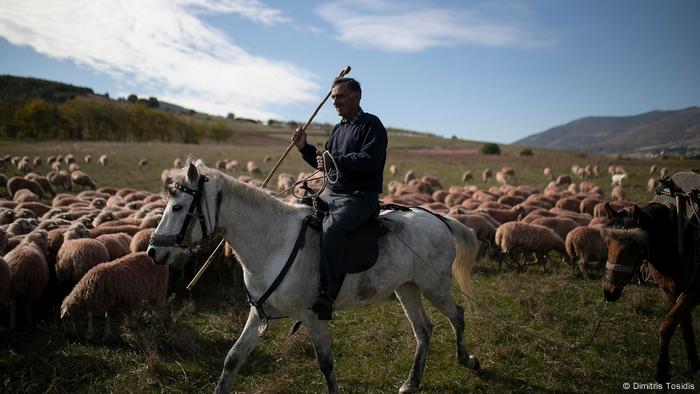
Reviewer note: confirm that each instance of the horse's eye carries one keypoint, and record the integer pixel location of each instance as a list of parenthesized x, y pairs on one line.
[(177, 207)]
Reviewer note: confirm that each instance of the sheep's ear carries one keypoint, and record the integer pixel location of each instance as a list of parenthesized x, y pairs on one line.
[(609, 212), (192, 174)]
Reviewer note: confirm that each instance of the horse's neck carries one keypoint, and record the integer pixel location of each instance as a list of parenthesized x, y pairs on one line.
[(261, 236)]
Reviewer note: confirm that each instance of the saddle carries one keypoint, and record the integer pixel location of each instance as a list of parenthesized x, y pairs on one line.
[(362, 248)]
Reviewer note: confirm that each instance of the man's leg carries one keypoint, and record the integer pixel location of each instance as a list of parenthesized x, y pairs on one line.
[(346, 213)]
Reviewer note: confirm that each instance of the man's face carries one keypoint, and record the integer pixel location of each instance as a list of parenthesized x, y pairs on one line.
[(345, 101)]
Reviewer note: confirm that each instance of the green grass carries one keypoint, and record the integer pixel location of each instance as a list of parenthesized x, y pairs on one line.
[(180, 346)]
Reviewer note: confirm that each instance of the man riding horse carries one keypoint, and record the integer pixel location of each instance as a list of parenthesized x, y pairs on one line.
[(357, 147)]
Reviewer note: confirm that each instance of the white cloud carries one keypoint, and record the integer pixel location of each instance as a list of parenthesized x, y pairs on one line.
[(161, 48), (401, 26)]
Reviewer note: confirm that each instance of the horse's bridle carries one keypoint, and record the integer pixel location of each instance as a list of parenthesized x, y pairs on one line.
[(195, 207), (623, 268)]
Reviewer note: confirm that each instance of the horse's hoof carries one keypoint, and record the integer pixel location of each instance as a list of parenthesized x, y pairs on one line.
[(473, 363), (408, 388)]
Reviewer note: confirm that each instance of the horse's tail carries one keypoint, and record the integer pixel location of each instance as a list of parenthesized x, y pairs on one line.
[(467, 246)]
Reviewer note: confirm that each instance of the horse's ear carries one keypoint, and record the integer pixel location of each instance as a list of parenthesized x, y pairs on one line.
[(192, 173), (636, 214), (609, 212)]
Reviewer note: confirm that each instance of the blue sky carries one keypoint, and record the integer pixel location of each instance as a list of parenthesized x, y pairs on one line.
[(485, 70)]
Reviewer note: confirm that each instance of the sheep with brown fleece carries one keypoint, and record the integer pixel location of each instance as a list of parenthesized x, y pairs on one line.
[(617, 193), (128, 229), (393, 169), (43, 182), (140, 240), (588, 204), (29, 273), (38, 208), (561, 225), (502, 215), (24, 195), (513, 237), (21, 226), (7, 216), (60, 179), (80, 178), (581, 218), (568, 203), (126, 282), (486, 174), (586, 244), (17, 183), (76, 257), (117, 244), (563, 180), (485, 230), (103, 160), (467, 176)]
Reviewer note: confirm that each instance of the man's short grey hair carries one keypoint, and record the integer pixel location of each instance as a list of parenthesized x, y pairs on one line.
[(352, 84)]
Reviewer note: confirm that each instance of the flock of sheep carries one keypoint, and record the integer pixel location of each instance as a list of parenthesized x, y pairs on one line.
[(83, 254)]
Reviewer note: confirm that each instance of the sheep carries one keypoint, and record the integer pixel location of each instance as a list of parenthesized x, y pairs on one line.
[(60, 179), (617, 193), (31, 210), (140, 240), (587, 244), (588, 204), (652, 169), (485, 230), (508, 170), (617, 179), (501, 178), (117, 245), (37, 161), (547, 172), (563, 180), (29, 273), (24, 166), (21, 226), (502, 215), (568, 203), (88, 159), (467, 175), (561, 225), (651, 184), (663, 173), (252, 168), (143, 162), (25, 195), (486, 174), (109, 191), (393, 169), (529, 238), (231, 166), (17, 183), (76, 257), (43, 182), (409, 176), (131, 230), (104, 159), (73, 167), (127, 281), (69, 158), (82, 179), (7, 216)]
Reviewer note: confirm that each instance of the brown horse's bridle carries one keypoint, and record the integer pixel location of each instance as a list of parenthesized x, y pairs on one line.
[(178, 240), (623, 268)]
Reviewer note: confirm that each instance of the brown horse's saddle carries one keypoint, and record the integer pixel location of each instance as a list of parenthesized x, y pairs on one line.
[(684, 182)]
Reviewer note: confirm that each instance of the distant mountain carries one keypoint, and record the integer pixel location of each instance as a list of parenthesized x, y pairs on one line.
[(651, 133)]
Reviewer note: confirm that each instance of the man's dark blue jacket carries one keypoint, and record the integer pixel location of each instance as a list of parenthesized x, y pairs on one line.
[(359, 149)]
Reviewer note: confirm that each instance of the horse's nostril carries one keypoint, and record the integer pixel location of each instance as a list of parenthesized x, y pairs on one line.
[(151, 252)]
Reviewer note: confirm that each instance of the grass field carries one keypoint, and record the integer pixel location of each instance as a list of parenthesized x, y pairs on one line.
[(180, 347)]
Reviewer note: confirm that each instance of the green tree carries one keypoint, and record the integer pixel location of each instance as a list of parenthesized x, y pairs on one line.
[(491, 149)]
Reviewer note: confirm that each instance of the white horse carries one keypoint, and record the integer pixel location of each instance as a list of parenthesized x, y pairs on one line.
[(262, 231)]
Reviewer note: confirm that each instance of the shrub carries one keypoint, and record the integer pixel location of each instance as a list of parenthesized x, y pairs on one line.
[(491, 149), (526, 152)]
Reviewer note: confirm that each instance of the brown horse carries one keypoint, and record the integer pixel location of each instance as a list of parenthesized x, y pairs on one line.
[(650, 233)]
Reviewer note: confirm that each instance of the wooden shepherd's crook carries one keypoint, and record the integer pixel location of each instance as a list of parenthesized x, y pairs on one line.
[(216, 251)]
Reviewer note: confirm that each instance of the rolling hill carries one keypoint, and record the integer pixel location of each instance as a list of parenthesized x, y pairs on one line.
[(651, 133)]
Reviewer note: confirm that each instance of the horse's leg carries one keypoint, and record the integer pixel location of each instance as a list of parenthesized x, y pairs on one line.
[(238, 353), (689, 339), (410, 296), (318, 333), (679, 311), (455, 314)]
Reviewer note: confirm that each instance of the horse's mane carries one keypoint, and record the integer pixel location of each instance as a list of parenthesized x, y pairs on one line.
[(230, 185)]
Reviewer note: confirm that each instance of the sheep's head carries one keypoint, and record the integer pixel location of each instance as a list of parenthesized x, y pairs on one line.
[(75, 231), (38, 237)]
